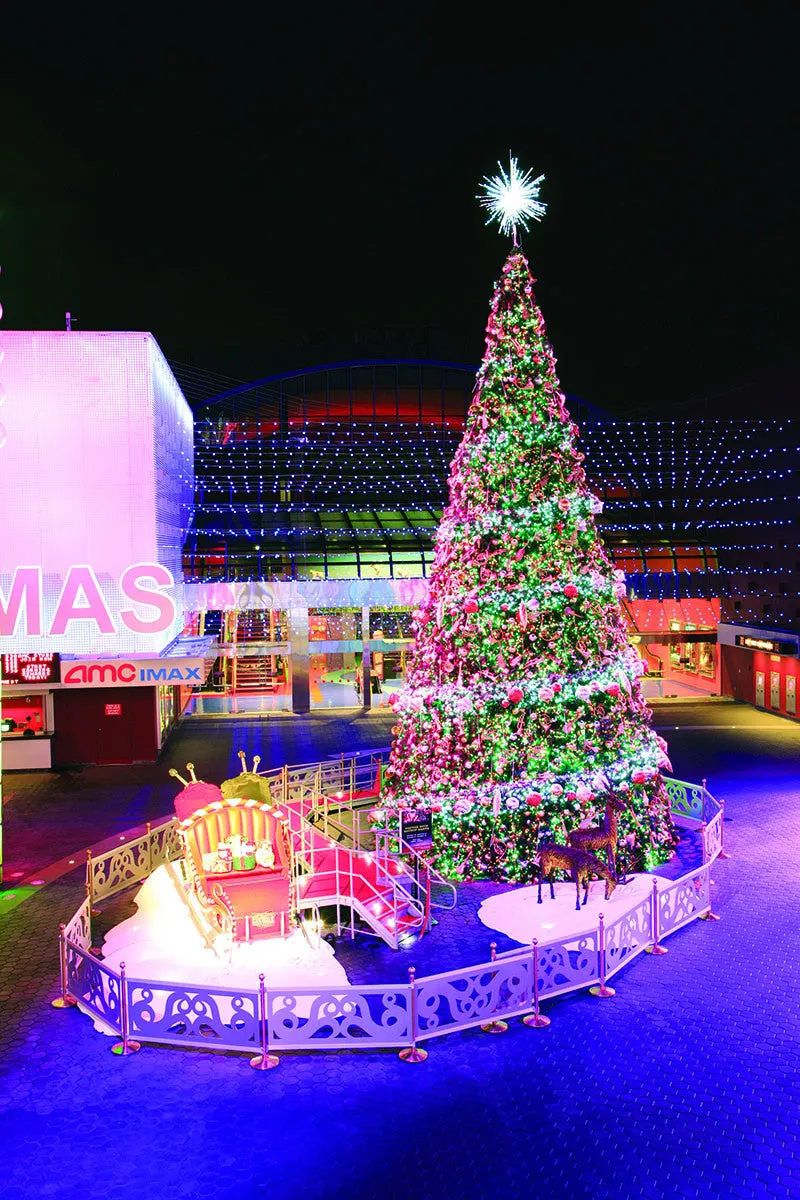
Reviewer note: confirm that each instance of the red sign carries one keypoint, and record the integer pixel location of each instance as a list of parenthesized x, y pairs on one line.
[(113, 710), (30, 668)]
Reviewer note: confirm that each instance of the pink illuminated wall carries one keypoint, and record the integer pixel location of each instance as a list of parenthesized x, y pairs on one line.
[(96, 471)]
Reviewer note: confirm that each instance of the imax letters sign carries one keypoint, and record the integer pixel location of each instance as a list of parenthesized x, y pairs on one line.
[(190, 672)]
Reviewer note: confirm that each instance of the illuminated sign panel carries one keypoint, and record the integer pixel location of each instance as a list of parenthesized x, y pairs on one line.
[(769, 645), (94, 513), (189, 672), (30, 668)]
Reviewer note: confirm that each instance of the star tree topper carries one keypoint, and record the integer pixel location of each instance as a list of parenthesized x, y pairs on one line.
[(512, 199)]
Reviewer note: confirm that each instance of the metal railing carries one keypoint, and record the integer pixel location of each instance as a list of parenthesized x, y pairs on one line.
[(376, 1016)]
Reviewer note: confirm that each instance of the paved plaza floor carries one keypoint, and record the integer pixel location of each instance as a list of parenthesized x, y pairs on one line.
[(684, 1085)]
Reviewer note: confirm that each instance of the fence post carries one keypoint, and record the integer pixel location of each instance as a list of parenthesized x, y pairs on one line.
[(285, 783), (93, 912), (536, 1019), (655, 948), (723, 853), (126, 1046), (263, 1061), (704, 852), (341, 775), (64, 1000), (600, 989), (495, 1025), (149, 848), (710, 915), (413, 1053)]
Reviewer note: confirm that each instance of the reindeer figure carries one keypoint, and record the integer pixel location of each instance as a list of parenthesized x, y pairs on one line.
[(601, 837), (551, 857)]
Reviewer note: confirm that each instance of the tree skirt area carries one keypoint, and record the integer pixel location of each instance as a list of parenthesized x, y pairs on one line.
[(518, 915), (162, 942)]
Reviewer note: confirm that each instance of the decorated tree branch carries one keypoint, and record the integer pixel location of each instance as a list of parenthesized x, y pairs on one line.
[(522, 708)]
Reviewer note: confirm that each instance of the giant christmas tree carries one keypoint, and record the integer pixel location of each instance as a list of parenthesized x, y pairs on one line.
[(522, 708)]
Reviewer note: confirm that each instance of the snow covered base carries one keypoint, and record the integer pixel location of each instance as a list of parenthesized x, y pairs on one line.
[(161, 942), (518, 915)]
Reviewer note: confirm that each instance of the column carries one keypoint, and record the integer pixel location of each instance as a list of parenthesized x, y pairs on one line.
[(298, 659), (366, 659)]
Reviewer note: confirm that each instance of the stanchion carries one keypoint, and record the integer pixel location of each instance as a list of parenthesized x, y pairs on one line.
[(536, 1019), (126, 1046), (495, 1025), (600, 989), (655, 948), (264, 1061), (413, 1053), (64, 1000)]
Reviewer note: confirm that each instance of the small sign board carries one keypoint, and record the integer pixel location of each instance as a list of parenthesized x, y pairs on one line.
[(30, 668), (769, 645), (416, 828)]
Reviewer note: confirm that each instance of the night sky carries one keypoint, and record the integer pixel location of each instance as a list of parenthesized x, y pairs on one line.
[(267, 193)]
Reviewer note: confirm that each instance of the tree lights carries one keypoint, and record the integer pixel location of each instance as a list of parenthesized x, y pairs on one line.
[(523, 706)]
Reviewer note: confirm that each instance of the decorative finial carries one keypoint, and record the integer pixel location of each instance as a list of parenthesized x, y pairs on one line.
[(190, 769), (243, 759), (512, 199), (175, 775)]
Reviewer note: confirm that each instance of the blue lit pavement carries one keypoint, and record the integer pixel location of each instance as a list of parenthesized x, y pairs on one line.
[(685, 1084)]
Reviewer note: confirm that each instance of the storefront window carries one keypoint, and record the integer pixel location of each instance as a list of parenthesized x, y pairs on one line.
[(23, 716), (167, 714)]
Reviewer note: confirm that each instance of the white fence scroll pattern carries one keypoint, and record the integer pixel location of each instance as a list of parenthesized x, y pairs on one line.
[(185, 1015), (686, 802), (94, 986), (685, 899), (79, 929), (464, 998), (125, 865), (306, 1019), (628, 935)]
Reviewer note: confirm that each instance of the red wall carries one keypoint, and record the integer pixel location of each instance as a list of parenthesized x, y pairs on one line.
[(85, 734), (739, 675)]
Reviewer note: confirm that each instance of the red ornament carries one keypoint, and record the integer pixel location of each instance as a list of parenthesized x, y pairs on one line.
[(612, 689), (570, 591), (534, 799), (470, 606), (515, 695), (639, 777)]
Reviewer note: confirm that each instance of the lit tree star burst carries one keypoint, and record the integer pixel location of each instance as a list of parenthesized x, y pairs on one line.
[(512, 199)]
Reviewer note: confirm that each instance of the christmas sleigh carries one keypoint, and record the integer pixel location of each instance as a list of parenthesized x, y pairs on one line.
[(239, 862)]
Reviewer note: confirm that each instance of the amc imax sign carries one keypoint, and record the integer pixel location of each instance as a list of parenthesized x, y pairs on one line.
[(133, 673)]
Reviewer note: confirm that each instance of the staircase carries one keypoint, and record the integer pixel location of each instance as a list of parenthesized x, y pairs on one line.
[(373, 890), (376, 886)]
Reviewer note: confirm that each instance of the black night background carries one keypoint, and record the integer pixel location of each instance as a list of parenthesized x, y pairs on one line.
[(301, 190)]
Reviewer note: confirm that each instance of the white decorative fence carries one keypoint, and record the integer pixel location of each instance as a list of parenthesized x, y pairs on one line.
[(372, 1016)]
